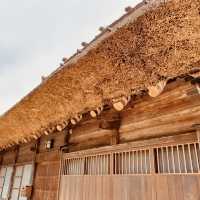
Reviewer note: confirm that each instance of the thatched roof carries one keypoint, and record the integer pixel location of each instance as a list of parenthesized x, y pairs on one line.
[(147, 44)]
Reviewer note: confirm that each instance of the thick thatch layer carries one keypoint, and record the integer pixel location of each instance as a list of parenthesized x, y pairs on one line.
[(162, 43)]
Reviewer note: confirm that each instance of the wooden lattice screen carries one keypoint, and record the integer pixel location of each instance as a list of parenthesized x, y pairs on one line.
[(88, 165), (180, 158), (183, 158)]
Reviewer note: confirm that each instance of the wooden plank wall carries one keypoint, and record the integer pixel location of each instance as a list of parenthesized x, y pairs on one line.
[(47, 164), (141, 187), (46, 180), (154, 186), (47, 168), (89, 135), (19, 155), (26, 153), (8, 158), (173, 112)]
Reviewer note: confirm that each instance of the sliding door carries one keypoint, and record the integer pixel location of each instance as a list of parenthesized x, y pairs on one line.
[(5, 181), (154, 173), (23, 177)]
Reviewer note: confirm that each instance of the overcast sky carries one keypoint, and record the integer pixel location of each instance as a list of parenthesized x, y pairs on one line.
[(36, 34)]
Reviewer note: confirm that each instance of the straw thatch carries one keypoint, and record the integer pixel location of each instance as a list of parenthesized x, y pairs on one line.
[(162, 43)]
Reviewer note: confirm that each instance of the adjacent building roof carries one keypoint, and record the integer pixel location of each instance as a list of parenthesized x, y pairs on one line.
[(156, 40)]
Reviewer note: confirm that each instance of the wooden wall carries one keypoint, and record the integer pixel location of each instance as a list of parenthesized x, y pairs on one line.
[(26, 153), (89, 135), (47, 168), (176, 111), (139, 187), (47, 164), (8, 158), (46, 179), (173, 112), (151, 185)]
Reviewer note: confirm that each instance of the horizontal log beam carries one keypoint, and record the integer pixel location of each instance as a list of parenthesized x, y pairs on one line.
[(98, 133)]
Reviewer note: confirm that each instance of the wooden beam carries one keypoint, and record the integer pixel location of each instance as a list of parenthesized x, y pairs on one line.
[(157, 89), (13, 172), (198, 87), (96, 112), (59, 127), (198, 135), (110, 124), (46, 132), (115, 137), (196, 75), (121, 103), (97, 135), (35, 137), (76, 119)]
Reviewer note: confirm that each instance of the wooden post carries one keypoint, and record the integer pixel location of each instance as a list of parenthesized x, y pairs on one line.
[(198, 141), (60, 172), (35, 164), (13, 172), (152, 161), (1, 158), (198, 135), (115, 137)]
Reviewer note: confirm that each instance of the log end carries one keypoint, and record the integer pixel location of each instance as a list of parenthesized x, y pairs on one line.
[(156, 90), (118, 106), (93, 114)]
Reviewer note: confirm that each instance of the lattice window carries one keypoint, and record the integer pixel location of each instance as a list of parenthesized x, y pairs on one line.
[(128, 162), (183, 158), (132, 162), (88, 165), (97, 165), (180, 158), (73, 166)]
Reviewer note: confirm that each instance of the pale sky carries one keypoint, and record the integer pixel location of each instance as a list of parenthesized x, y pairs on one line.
[(36, 34)]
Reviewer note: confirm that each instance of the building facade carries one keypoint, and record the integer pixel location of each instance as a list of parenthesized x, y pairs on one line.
[(118, 120)]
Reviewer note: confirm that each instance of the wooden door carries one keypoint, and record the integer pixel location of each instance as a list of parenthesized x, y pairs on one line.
[(22, 177), (141, 187), (5, 181), (154, 173)]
